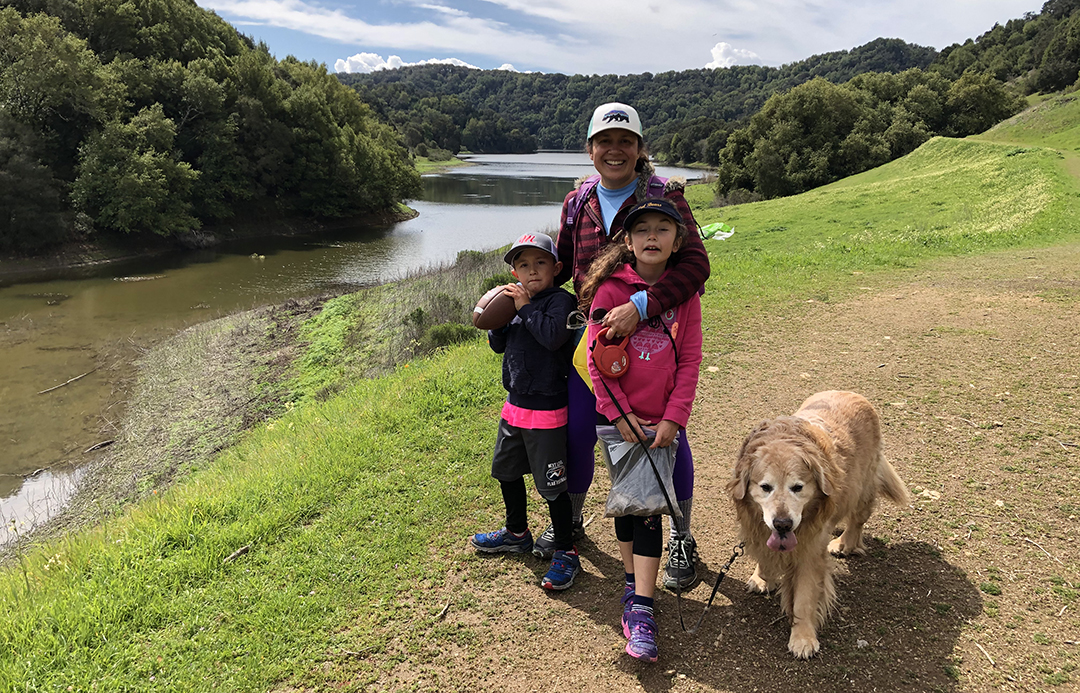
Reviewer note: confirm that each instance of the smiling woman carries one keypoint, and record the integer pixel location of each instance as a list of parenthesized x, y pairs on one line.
[(594, 215)]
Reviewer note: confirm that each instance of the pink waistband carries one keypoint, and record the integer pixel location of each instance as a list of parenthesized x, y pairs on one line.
[(534, 418)]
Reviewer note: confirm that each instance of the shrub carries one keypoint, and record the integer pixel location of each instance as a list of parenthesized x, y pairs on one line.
[(496, 280), (447, 334)]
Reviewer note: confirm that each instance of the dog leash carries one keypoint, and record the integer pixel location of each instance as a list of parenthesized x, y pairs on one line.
[(738, 550)]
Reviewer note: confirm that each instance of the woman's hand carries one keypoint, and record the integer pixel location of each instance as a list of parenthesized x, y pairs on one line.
[(622, 320), (628, 432), (666, 431)]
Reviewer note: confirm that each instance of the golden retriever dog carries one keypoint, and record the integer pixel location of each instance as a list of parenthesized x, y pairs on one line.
[(798, 477)]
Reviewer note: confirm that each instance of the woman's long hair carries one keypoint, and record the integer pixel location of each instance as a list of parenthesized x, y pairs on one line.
[(612, 257)]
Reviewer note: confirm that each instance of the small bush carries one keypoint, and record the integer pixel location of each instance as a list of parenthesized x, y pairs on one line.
[(496, 280), (738, 196), (447, 334), (436, 154), (421, 149), (990, 588)]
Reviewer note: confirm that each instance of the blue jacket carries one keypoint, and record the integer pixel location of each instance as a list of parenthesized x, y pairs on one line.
[(537, 351)]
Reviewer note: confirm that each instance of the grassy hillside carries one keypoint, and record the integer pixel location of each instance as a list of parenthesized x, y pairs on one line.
[(277, 567), (949, 197), (1054, 122)]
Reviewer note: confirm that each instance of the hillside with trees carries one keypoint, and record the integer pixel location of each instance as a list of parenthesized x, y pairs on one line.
[(155, 118), (442, 106), (769, 131)]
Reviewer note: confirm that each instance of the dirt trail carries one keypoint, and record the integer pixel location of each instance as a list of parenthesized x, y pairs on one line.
[(972, 364)]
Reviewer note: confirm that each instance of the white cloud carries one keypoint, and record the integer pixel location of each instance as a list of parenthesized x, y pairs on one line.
[(370, 62), (726, 55), (616, 36)]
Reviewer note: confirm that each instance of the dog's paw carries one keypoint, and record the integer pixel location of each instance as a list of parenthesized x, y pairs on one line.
[(839, 549), (803, 643), (758, 584)]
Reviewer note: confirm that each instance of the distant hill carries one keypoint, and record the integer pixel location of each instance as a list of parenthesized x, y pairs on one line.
[(1041, 52), (445, 106), (690, 114)]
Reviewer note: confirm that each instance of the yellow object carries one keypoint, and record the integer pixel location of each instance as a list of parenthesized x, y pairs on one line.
[(581, 359)]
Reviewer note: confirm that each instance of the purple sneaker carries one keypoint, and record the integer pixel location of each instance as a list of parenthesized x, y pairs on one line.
[(642, 644), (628, 594)]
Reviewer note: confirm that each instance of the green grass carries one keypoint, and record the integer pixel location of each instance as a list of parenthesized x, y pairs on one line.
[(949, 197), (1055, 123), (353, 509), (426, 165), (342, 505)]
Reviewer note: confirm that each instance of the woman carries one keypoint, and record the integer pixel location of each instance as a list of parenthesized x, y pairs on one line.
[(592, 216)]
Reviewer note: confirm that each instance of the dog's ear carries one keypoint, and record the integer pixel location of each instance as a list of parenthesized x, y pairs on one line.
[(826, 473), (740, 474)]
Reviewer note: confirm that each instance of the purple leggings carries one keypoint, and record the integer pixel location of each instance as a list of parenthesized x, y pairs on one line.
[(581, 439)]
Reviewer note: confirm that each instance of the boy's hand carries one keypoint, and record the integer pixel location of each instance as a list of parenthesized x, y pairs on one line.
[(518, 293), (666, 431)]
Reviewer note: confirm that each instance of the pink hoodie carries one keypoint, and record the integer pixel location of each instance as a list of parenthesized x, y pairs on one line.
[(656, 386)]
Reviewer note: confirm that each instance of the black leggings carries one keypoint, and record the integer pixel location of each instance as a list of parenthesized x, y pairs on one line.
[(515, 499), (645, 532)]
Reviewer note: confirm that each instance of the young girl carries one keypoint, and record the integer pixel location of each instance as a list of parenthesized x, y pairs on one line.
[(657, 389)]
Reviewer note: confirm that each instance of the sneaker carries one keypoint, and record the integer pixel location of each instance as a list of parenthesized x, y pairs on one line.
[(642, 644), (681, 569), (564, 567), (545, 544), (502, 541), (628, 594)]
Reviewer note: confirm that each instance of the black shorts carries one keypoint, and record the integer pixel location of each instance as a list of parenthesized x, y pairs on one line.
[(537, 451)]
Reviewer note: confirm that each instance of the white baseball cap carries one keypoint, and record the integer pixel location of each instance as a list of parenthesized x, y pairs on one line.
[(614, 115)]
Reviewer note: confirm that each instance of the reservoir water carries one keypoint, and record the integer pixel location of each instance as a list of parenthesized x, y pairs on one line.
[(85, 326)]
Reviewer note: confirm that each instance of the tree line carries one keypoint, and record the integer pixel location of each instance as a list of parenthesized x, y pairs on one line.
[(156, 117), (769, 131), (444, 106)]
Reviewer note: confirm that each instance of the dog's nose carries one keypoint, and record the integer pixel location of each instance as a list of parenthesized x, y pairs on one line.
[(782, 525)]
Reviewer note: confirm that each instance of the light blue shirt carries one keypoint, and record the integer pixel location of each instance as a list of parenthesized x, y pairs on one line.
[(611, 201)]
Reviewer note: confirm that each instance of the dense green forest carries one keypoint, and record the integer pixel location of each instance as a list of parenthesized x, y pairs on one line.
[(769, 131), (156, 117), (443, 106)]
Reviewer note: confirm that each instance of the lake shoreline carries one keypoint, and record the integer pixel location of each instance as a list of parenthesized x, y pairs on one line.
[(87, 255)]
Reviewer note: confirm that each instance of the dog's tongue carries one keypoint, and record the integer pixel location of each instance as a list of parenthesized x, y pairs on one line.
[(784, 543)]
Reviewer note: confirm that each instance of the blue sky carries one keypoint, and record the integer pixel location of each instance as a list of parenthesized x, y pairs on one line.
[(599, 36)]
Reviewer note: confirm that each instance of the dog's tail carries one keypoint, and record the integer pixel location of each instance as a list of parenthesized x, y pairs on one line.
[(890, 485)]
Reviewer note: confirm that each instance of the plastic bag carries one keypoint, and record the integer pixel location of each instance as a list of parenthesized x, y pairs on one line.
[(634, 489)]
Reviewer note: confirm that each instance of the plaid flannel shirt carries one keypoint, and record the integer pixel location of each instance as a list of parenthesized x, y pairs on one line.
[(578, 247)]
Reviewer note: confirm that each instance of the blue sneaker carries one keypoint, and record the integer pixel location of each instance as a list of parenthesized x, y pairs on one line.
[(564, 568), (628, 595), (642, 644), (502, 541)]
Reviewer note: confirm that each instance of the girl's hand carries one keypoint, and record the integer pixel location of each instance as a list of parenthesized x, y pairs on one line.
[(627, 432), (518, 293), (622, 320), (666, 431)]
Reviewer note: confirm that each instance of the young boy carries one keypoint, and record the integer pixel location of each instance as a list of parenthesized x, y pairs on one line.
[(537, 353)]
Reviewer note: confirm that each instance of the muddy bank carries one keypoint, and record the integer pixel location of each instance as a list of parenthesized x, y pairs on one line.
[(193, 395), (89, 255)]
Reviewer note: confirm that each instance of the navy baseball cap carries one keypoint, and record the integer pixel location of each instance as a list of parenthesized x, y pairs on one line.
[(660, 205)]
